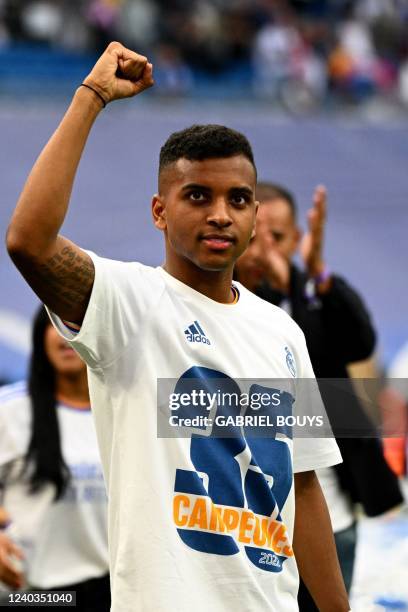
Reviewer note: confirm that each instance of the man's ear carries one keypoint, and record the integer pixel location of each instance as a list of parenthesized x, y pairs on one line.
[(256, 212), (159, 212)]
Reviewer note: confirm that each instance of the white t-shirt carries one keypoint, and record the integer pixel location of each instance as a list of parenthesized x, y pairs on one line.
[(64, 542), (195, 523), (338, 502)]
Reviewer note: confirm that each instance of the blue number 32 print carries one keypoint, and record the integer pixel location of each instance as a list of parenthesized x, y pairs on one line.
[(233, 498)]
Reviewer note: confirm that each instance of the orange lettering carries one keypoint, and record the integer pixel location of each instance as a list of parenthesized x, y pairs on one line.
[(260, 536), (230, 518), (199, 515), (278, 539), (245, 524), (269, 530), (288, 551), (216, 522), (179, 500)]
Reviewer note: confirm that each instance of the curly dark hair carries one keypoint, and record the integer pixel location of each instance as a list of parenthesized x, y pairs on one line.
[(200, 142)]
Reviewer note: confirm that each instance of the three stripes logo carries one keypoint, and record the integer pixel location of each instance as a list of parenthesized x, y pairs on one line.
[(195, 333)]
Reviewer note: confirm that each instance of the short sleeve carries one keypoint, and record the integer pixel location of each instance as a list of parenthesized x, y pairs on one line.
[(309, 452), (122, 296)]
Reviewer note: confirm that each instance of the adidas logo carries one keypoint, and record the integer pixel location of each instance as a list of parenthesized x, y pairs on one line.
[(194, 333)]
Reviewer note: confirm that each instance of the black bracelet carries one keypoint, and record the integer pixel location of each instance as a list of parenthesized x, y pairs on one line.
[(97, 93)]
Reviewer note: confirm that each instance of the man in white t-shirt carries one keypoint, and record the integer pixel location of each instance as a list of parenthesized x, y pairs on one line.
[(201, 522)]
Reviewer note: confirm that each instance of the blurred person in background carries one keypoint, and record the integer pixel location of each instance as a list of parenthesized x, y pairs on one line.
[(364, 60), (338, 331), (286, 66), (299, 53), (52, 493)]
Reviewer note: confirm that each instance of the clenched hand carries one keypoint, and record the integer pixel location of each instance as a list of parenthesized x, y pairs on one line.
[(120, 73)]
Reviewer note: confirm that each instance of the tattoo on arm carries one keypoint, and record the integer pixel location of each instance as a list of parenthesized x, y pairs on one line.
[(63, 281), (69, 276)]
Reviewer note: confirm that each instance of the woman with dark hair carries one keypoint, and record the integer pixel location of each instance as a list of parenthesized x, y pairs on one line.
[(51, 483)]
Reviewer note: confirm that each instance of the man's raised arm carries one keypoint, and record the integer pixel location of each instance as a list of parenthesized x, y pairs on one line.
[(59, 272)]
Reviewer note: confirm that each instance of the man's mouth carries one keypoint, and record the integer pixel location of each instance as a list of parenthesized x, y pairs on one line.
[(218, 242)]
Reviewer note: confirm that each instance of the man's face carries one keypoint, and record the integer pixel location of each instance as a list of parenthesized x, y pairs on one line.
[(277, 232), (207, 211)]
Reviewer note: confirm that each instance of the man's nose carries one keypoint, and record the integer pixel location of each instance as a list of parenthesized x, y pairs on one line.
[(219, 213)]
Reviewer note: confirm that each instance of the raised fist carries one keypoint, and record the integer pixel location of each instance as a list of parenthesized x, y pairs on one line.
[(120, 73)]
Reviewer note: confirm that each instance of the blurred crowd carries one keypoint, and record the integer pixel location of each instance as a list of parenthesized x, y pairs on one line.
[(287, 50)]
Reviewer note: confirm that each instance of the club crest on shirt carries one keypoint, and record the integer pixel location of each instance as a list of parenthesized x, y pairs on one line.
[(290, 362)]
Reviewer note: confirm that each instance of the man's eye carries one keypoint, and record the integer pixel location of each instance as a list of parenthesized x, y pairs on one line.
[(197, 196), (277, 236), (240, 200)]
